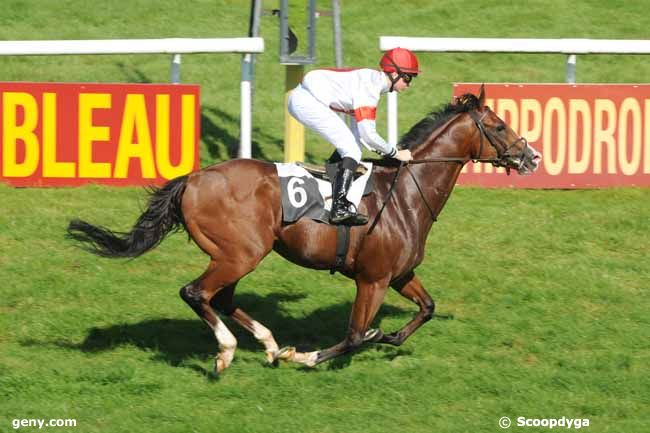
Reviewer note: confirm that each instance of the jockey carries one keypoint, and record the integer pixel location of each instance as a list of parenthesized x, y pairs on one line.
[(323, 93)]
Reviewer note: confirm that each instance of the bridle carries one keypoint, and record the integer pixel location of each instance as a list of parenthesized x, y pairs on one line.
[(503, 153), (503, 156)]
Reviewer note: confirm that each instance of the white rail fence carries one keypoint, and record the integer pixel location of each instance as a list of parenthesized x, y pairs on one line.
[(570, 47), (173, 46)]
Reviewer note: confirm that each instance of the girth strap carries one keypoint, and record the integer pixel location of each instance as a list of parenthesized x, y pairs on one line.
[(342, 246)]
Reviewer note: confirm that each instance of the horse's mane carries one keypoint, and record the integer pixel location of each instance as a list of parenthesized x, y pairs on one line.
[(423, 129)]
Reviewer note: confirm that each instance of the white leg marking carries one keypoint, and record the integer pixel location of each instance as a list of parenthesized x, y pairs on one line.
[(306, 358), (264, 336), (227, 345)]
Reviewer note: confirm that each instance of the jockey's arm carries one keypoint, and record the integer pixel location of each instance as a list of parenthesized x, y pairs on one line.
[(368, 135)]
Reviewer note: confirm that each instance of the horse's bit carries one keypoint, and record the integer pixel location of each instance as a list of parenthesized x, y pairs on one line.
[(500, 161), (502, 154)]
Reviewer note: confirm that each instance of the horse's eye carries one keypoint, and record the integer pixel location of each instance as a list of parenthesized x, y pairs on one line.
[(501, 128)]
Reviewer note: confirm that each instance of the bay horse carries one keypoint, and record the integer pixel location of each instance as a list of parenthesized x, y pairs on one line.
[(233, 212)]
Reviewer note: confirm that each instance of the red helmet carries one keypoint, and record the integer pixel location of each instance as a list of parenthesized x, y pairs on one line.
[(400, 60)]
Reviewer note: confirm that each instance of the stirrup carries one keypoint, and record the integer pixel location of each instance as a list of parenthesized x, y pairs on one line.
[(354, 220), (349, 218)]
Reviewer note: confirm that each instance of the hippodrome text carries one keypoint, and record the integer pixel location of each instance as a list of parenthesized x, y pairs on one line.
[(589, 135)]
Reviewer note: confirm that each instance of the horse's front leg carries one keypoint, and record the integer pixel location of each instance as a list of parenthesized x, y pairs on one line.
[(370, 296), (411, 288)]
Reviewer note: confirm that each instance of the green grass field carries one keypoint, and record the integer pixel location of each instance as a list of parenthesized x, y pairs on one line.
[(542, 296), (542, 300)]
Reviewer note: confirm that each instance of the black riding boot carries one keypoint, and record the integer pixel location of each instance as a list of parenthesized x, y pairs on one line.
[(343, 211)]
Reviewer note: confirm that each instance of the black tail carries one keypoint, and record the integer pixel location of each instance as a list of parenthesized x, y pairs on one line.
[(162, 216)]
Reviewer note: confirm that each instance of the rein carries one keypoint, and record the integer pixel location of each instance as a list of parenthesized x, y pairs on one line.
[(386, 197), (390, 193), (433, 215), (501, 155), (499, 161)]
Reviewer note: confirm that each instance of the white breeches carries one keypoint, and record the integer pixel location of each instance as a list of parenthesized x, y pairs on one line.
[(317, 116)]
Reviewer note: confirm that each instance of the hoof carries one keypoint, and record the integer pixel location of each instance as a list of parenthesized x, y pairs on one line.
[(219, 365), (292, 355), (373, 335), (285, 354), (271, 359)]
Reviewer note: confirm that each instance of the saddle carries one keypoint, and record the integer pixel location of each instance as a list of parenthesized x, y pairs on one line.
[(328, 171), (327, 174)]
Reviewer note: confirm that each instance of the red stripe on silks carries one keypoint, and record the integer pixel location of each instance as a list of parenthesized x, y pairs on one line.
[(365, 113)]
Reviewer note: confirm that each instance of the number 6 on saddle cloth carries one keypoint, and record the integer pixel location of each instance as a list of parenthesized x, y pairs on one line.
[(308, 193)]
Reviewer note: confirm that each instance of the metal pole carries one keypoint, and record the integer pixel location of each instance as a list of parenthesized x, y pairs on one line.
[(254, 31), (176, 69), (571, 69), (246, 85), (338, 44)]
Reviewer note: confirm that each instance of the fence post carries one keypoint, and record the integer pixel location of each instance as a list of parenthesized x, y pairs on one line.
[(391, 106), (246, 107), (247, 86), (294, 131), (571, 69), (338, 43), (176, 69)]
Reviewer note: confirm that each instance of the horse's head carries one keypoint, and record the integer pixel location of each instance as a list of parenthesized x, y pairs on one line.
[(499, 144)]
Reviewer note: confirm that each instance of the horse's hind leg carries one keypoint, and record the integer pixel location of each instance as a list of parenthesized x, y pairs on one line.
[(223, 302), (199, 293), (195, 296)]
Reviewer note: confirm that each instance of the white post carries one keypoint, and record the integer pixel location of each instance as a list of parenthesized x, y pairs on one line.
[(176, 69), (571, 69), (174, 46), (246, 108), (392, 117)]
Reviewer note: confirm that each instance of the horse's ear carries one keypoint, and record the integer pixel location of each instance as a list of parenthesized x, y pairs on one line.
[(481, 96)]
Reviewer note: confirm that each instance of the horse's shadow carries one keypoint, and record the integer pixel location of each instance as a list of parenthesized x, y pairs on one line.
[(177, 341)]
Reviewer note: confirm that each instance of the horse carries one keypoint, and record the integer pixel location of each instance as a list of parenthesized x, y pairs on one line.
[(233, 212)]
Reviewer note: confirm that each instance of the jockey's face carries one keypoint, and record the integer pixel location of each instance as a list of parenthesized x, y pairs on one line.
[(402, 83)]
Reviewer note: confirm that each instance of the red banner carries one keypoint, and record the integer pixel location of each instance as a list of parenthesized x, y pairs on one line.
[(590, 135), (57, 134)]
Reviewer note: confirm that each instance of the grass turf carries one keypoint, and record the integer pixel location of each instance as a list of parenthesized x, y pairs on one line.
[(542, 295), (542, 300)]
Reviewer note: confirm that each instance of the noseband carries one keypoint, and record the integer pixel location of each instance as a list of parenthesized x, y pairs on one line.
[(503, 155)]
